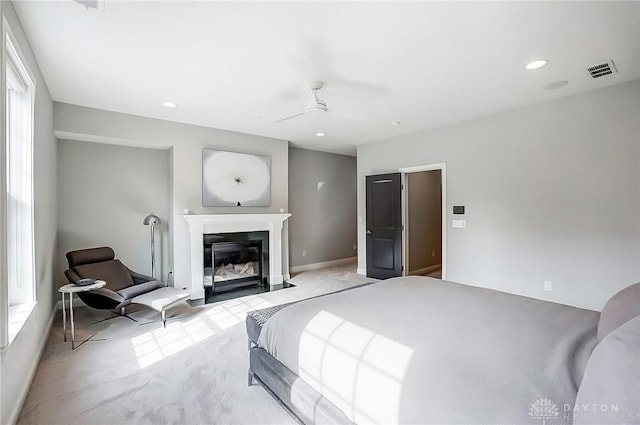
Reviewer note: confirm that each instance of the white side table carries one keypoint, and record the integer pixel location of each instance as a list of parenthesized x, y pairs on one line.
[(72, 289)]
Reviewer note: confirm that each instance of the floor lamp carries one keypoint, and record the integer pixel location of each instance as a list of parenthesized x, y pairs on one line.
[(152, 220)]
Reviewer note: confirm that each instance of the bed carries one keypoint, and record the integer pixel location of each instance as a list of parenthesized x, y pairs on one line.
[(421, 350)]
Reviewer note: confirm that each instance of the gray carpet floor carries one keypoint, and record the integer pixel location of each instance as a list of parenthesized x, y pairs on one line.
[(192, 372)]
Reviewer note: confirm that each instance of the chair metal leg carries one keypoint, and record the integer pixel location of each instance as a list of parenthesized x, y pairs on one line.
[(108, 318), (250, 380), (164, 318), (122, 313)]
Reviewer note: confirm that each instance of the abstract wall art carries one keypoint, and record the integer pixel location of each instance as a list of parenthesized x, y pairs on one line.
[(232, 179)]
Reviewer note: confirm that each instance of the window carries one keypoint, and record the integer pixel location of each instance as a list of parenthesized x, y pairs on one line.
[(19, 98)]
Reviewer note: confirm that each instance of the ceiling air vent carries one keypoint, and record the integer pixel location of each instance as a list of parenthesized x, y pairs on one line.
[(602, 69)]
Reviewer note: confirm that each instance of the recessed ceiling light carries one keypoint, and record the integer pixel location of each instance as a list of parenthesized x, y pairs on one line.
[(395, 123), (536, 64), (169, 105), (320, 134)]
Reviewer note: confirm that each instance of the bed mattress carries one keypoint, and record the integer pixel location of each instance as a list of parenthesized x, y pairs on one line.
[(420, 350)]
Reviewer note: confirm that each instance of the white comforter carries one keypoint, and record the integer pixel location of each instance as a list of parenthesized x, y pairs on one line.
[(419, 350)]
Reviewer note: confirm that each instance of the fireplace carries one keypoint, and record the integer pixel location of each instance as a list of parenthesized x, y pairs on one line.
[(231, 264), (203, 224)]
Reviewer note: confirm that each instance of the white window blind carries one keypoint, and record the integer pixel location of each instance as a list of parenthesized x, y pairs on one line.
[(19, 181)]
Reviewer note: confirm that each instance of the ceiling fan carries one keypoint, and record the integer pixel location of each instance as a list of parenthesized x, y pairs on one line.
[(317, 105)]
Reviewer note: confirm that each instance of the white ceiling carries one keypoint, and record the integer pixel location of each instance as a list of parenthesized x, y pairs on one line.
[(241, 65)]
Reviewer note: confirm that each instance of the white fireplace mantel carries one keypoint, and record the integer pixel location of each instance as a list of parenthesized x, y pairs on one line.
[(201, 224)]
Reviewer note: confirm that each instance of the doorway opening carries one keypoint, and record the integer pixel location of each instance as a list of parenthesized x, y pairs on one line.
[(424, 221)]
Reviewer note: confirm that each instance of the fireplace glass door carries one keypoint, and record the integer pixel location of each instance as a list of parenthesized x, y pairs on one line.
[(236, 264)]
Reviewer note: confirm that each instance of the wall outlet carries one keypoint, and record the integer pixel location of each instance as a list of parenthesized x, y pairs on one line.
[(304, 253), (548, 286), (355, 247)]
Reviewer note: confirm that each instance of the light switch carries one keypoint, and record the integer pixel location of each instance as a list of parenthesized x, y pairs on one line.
[(459, 224)]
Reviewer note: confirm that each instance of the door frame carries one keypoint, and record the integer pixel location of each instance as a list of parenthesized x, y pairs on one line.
[(405, 171)]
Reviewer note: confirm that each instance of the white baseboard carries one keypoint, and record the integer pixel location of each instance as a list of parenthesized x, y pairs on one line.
[(33, 367), (322, 265), (424, 270), (362, 272)]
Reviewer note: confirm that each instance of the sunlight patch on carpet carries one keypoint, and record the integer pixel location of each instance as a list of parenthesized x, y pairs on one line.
[(153, 346), (156, 345), (232, 312)]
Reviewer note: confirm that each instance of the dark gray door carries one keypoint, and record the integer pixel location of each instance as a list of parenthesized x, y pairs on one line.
[(384, 226)]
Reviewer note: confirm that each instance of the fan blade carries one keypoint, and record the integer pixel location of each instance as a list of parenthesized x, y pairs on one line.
[(289, 117)]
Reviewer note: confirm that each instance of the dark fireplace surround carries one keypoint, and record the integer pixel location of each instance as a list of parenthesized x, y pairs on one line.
[(235, 260)]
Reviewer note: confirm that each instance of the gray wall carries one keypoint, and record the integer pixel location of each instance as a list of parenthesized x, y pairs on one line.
[(424, 213), (104, 192), (552, 193), (322, 199), (19, 360), (186, 142)]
